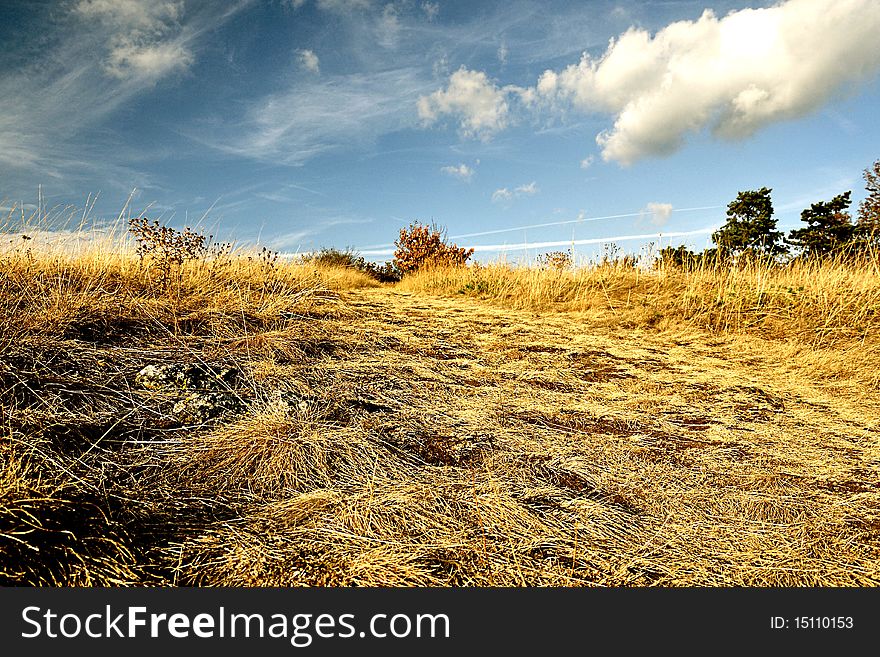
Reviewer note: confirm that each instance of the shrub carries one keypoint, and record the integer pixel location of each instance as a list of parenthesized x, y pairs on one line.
[(165, 246), (386, 273), (555, 260), (421, 245), (351, 259), (330, 257), (677, 256), (613, 256)]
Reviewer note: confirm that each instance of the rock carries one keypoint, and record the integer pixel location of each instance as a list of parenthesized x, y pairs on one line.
[(185, 376), (199, 407), (203, 393), (288, 402)]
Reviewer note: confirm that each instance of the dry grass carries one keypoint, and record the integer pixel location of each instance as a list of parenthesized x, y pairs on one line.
[(818, 302), (825, 314), (380, 437)]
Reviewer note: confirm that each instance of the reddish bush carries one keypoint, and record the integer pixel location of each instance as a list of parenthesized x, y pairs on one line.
[(421, 245)]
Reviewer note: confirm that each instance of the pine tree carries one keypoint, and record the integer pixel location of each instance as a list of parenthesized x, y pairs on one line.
[(869, 209), (829, 228), (750, 227)]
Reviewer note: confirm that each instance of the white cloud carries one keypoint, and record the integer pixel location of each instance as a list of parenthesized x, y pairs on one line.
[(308, 60), (733, 74), (502, 194), (431, 9), (503, 52), (462, 171), (505, 194), (481, 107), (587, 162), (659, 213), (147, 61), (141, 36)]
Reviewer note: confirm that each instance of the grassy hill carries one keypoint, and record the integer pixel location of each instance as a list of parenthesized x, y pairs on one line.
[(250, 422)]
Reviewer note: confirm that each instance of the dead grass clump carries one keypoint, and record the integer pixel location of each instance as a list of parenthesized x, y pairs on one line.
[(425, 532), (114, 300), (96, 286), (55, 534), (274, 452), (56, 541)]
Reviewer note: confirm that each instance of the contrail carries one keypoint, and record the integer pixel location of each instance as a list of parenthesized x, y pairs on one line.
[(575, 221), (545, 245), (592, 240), (544, 225)]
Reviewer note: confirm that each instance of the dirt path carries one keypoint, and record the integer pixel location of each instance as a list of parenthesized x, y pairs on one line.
[(726, 468), (698, 385)]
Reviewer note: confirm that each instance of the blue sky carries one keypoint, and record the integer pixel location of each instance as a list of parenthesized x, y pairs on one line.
[(519, 126)]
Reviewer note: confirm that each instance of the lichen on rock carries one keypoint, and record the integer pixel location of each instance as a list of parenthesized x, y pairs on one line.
[(206, 393)]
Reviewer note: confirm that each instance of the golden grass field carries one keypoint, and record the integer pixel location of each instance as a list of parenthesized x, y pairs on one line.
[(486, 426)]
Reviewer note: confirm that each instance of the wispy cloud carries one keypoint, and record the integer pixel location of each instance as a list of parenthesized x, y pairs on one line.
[(308, 61), (581, 218), (344, 6), (431, 9), (503, 52), (51, 107), (505, 194), (314, 117), (142, 39), (462, 172), (395, 86), (592, 240), (297, 239), (275, 197), (388, 27), (341, 7)]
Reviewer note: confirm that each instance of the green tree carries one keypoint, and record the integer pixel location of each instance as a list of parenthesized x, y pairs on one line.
[(677, 256), (829, 228), (869, 209), (750, 228)]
